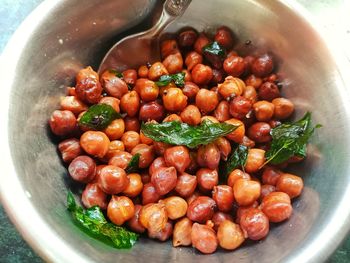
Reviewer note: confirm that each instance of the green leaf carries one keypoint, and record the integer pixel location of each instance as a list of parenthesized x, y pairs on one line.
[(214, 48), (238, 158), (290, 139), (133, 165), (93, 222), (178, 79), (118, 74), (177, 133), (99, 116)]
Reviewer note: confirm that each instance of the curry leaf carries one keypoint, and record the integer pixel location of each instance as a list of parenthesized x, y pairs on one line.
[(178, 79), (118, 74), (133, 165), (238, 158), (98, 116), (214, 48)]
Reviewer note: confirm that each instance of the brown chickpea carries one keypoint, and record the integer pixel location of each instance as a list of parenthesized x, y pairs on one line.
[(188, 76), (69, 149), (130, 76), (73, 104), (135, 186), (201, 42), (164, 179), (82, 169), (93, 195), (187, 38), (192, 197), (146, 154), (231, 87), (224, 147), (115, 129), (98, 173), (262, 66), (230, 235), (174, 100), (268, 91), (277, 206), (114, 147), (157, 163), (177, 156), (175, 206), (63, 122), (271, 78), (173, 63), (142, 72), (224, 37), (88, 88), (250, 94), (254, 81), (234, 66), (168, 47), (149, 194), (255, 160), (192, 59), (207, 179), (222, 111), (223, 196), (111, 101), (201, 74), (153, 217), (113, 85), (235, 175), (290, 184), (134, 222), (193, 167), (248, 142), (156, 70), (243, 209), (186, 184), (95, 143), (160, 147), (130, 103), (206, 100), (130, 140), (266, 189), (283, 108), (220, 217), (120, 159), (238, 134), (218, 76), (147, 89), (246, 192), (132, 124), (120, 209), (208, 156), (164, 234), (182, 232), (204, 238), (254, 224), (144, 139), (260, 132), (270, 175), (190, 90), (172, 117), (113, 180), (248, 61), (240, 107), (191, 115), (263, 110), (201, 209)]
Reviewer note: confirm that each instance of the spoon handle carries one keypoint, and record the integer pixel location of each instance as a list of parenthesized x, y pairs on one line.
[(176, 7)]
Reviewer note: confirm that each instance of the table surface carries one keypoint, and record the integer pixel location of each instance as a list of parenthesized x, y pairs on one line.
[(12, 12)]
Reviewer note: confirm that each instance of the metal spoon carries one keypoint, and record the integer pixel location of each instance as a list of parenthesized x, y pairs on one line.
[(137, 49)]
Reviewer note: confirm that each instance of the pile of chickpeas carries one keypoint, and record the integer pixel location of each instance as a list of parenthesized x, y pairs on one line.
[(176, 192)]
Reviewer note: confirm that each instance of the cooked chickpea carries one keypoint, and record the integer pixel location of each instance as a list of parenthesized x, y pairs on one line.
[(238, 134), (192, 59), (82, 169), (231, 87), (182, 232), (132, 124), (263, 110), (162, 235), (204, 238), (223, 196), (146, 154), (283, 108), (168, 47), (220, 217), (191, 115), (235, 175), (173, 63), (188, 76), (120, 209), (242, 209), (224, 147), (69, 149), (248, 142), (260, 132), (174, 100), (201, 42), (208, 156), (113, 85), (172, 117), (206, 100), (187, 38), (201, 74), (254, 224), (262, 66), (156, 70), (113, 180), (270, 175), (114, 147), (130, 140), (254, 81), (255, 160), (277, 206), (164, 179), (63, 122), (144, 139), (246, 192), (222, 111), (73, 104), (147, 89), (190, 90), (207, 179), (135, 185), (149, 194), (95, 143), (201, 209), (234, 66), (130, 103), (177, 156), (230, 235), (88, 88), (224, 37), (176, 207), (143, 71), (111, 101), (266, 189), (93, 195), (130, 76), (240, 107), (250, 94), (268, 91), (290, 184), (134, 222), (186, 184), (154, 217), (160, 147), (157, 163), (120, 159), (115, 129)]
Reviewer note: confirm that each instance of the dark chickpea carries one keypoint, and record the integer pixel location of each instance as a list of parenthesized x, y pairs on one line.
[(238, 134), (240, 107), (177, 156), (208, 156), (242, 209), (201, 42), (130, 140), (174, 100), (268, 91), (120, 209), (172, 117), (142, 72), (135, 185), (153, 217), (204, 238), (201, 209), (224, 147), (231, 87), (254, 224), (134, 222), (248, 142), (260, 132), (114, 147), (283, 108), (193, 167), (246, 192), (157, 70), (168, 47), (63, 122), (70, 91), (290, 184), (248, 61), (144, 139), (160, 147), (207, 179), (224, 37), (255, 160), (175, 206), (235, 175), (113, 180), (218, 76), (130, 76), (206, 100), (270, 175), (173, 63), (111, 101), (182, 232), (95, 143), (263, 110), (186, 184), (113, 85), (201, 74), (191, 115), (220, 217), (187, 38), (130, 103), (157, 163), (146, 154), (115, 129), (147, 89), (192, 59), (164, 234), (234, 66), (262, 66), (230, 235), (69, 149), (277, 206), (73, 104), (82, 169), (266, 189), (250, 94), (120, 159), (145, 178), (132, 124), (222, 111), (223, 196), (149, 194), (88, 88), (164, 179), (93, 195)]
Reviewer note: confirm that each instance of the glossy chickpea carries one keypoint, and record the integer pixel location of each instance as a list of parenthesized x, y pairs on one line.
[(174, 100), (192, 59), (135, 185), (144, 139), (69, 149), (240, 107), (134, 222), (130, 103), (208, 156), (254, 81), (266, 189), (224, 37), (220, 217), (160, 147), (113, 148), (120, 159), (173, 63), (132, 124), (223, 196), (201, 42), (88, 88), (201, 74), (164, 179), (147, 89), (283, 108), (113, 85), (146, 154), (277, 206), (254, 224), (190, 90), (270, 175), (130, 76), (172, 117), (130, 140), (268, 91), (222, 111), (98, 173), (260, 132), (255, 160), (235, 175), (111, 101), (263, 110), (238, 134), (250, 94), (230, 235), (93, 195), (73, 104), (153, 217), (207, 179), (234, 66), (187, 38), (262, 66), (120, 209), (231, 87), (201, 209), (157, 163), (142, 72), (149, 194), (224, 147), (248, 142), (242, 209), (115, 129), (63, 122), (290, 184), (182, 232), (246, 192), (95, 143), (168, 47), (176, 207), (204, 238), (178, 157), (113, 180), (206, 100), (186, 184), (82, 169), (191, 115), (156, 70), (162, 235)]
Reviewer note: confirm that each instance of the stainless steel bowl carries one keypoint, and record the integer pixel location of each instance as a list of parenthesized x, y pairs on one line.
[(61, 36)]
